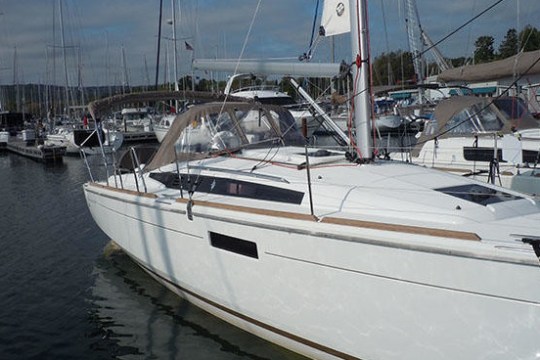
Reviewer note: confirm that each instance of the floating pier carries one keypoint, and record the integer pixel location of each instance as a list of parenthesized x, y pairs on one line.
[(43, 153)]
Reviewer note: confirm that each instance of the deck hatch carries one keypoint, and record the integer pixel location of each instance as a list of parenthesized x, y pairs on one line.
[(227, 186), (232, 244), (478, 194)]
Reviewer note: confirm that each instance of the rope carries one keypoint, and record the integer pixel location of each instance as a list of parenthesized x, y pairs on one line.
[(243, 49)]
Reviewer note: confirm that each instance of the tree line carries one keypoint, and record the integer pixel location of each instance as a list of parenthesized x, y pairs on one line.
[(397, 67)]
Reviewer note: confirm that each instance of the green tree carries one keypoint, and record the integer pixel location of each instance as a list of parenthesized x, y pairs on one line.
[(529, 38), (394, 67), (484, 51), (460, 61), (509, 46)]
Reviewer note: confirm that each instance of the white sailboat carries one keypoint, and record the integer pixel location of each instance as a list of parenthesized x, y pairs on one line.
[(161, 128), (477, 137), (331, 258)]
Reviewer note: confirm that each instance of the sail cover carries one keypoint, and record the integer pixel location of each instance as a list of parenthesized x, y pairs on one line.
[(520, 64), (335, 18)]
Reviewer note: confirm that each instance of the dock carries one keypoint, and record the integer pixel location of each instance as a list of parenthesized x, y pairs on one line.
[(43, 153)]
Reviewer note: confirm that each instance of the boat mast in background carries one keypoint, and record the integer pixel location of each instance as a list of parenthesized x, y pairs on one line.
[(175, 51), (416, 44), (62, 39)]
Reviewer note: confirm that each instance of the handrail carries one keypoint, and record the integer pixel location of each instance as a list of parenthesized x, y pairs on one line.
[(135, 161)]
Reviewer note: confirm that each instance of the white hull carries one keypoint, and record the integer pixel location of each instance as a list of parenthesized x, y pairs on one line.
[(112, 142), (385, 261), (163, 127), (63, 139), (330, 290), (448, 155), (160, 132), (463, 135)]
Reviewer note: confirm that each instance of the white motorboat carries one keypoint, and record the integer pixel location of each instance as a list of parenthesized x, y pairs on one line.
[(327, 252), (136, 119), (269, 94), (63, 136), (471, 136), (71, 138)]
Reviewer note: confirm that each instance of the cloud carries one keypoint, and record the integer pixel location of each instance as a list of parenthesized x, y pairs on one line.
[(95, 32)]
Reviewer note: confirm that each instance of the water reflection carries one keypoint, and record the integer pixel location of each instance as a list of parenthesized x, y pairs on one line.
[(137, 318)]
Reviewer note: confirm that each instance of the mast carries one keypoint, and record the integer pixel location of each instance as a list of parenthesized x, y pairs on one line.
[(360, 74), (16, 80), (442, 64), (66, 79), (414, 31), (158, 43), (175, 54), (125, 78)]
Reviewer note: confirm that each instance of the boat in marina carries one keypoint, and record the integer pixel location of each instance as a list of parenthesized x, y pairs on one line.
[(161, 128), (270, 94), (265, 94), (480, 138), (136, 119), (136, 125), (328, 252), (68, 137), (308, 114)]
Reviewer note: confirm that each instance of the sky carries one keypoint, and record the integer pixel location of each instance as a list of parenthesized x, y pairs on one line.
[(114, 42)]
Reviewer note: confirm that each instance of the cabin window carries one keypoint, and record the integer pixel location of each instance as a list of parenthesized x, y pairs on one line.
[(235, 245), (257, 127), (476, 119), (488, 119), (230, 187), (461, 123), (512, 107)]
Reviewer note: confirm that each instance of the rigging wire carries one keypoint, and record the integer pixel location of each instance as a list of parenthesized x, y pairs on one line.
[(242, 50), (307, 56), (459, 28), (469, 36), (389, 67)]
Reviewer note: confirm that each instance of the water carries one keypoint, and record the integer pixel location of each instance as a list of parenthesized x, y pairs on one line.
[(65, 294)]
